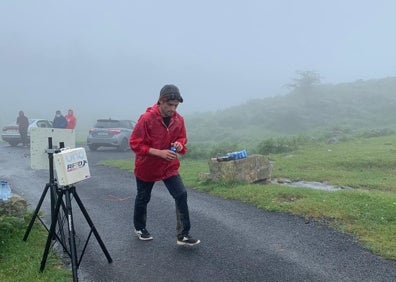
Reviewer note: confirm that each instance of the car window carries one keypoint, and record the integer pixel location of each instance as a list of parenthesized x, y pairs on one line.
[(102, 123), (43, 123), (125, 124), (107, 124)]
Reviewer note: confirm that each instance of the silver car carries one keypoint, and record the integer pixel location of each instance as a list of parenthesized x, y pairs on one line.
[(10, 133), (110, 133)]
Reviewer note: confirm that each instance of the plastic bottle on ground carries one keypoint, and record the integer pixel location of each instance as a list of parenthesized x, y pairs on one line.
[(5, 190)]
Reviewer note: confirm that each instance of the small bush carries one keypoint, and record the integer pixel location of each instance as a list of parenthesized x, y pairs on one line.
[(277, 146), (377, 133), (9, 225)]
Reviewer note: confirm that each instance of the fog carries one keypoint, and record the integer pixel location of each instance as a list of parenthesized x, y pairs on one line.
[(110, 58)]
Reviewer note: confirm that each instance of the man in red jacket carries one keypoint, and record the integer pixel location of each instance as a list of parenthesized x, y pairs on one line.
[(157, 138)]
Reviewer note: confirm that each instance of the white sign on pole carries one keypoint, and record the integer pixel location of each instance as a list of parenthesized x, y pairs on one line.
[(39, 144)]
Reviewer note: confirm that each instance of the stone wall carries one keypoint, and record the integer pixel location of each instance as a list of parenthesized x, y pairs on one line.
[(253, 169)]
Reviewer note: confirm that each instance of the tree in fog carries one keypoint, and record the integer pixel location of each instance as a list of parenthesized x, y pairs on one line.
[(305, 81)]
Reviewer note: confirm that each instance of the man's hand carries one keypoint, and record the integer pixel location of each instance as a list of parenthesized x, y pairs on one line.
[(178, 146), (168, 155), (164, 154)]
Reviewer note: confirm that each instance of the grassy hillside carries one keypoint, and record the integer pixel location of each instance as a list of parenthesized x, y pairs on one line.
[(350, 106)]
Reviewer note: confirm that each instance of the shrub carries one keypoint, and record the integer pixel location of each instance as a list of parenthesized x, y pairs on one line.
[(280, 145)]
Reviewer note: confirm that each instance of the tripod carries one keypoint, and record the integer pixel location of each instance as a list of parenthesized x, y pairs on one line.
[(51, 185), (58, 201), (66, 192)]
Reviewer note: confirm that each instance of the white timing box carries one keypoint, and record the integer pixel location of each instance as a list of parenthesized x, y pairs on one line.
[(71, 166)]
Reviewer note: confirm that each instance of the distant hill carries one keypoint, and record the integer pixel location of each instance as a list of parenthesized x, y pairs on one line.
[(357, 105)]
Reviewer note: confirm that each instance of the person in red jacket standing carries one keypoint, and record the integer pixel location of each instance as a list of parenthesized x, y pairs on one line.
[(157, 139), (71, 120)]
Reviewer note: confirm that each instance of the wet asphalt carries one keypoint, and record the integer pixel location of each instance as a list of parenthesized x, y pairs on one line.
[(238, 241)]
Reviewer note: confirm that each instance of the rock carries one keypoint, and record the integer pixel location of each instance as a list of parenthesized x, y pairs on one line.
[(15, 206), (253, 169)]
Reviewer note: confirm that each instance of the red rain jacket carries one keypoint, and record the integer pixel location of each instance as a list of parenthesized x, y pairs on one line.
[(71, 120), (151, 132)]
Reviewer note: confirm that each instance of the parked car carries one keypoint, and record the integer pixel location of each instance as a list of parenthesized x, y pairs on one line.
[(110, 133), (10, 133)]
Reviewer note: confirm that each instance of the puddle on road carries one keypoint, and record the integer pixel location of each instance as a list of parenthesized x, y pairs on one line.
[(312, 185)]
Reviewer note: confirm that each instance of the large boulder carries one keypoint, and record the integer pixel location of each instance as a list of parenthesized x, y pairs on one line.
[(15, 206), (253, 169)]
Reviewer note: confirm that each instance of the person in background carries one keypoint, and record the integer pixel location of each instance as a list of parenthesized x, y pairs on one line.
[(71, 119), (59, 120), (23, 125), (157, 138)]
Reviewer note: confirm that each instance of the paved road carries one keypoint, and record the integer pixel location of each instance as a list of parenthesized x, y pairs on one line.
[(239, 241)]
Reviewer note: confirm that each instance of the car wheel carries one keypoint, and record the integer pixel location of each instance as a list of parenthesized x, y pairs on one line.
[(13, 143), (93, 147), (123, 146)]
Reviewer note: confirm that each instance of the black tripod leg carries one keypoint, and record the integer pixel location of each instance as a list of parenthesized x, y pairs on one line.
[(72, 240), (36, 212), (60, 233), (51, 231), (90, 223)]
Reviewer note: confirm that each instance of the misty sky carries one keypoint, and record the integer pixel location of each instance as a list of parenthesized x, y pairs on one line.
[(110, 58)]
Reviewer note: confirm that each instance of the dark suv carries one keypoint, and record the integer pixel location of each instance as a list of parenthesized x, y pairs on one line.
[(110, 133)]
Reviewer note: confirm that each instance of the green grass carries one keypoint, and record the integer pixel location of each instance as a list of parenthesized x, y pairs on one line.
[(20, 260), (367, 212), (361, 163)]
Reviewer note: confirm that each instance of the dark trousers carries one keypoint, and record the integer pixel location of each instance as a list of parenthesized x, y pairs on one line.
[(24, 137), (176, 188)]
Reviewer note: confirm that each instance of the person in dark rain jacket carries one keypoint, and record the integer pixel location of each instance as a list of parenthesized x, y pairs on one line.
[(23, 125), (59, 120)]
